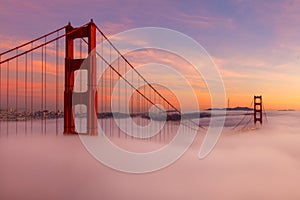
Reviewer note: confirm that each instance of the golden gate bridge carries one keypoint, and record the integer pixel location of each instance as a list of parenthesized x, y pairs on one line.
[(31, 77)]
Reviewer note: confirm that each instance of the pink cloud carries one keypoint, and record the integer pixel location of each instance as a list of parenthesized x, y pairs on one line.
[(204, 21), (114, 28)]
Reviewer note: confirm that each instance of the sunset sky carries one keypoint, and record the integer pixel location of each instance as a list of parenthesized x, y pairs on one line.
[(255, 44)]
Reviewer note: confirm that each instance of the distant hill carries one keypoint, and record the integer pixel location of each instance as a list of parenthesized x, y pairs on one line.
[(232, 109)]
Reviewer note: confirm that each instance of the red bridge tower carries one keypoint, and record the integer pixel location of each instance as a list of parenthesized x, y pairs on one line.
[(88, 98), (258, 109)]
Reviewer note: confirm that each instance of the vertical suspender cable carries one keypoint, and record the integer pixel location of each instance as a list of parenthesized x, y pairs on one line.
[(111, 103), (105, 100), (145, 109), (163, 130), (102, 87), (17, 90), (31, 99), (45, 92), (166, 106), (110, 94), (265, 114), (7, 95), (26, 93), (165, 127), (1, 110), (42, 92), (126, 103), (56, 84), (119, 89), (168, 124), (151, 120), (155, 102), (138, 122), (132, 99)]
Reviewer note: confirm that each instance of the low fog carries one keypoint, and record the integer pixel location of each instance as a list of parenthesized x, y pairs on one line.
[(261, 163)]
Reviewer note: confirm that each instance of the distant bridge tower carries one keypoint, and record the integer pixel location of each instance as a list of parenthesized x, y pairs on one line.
[(88, 98), (257, 109)]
